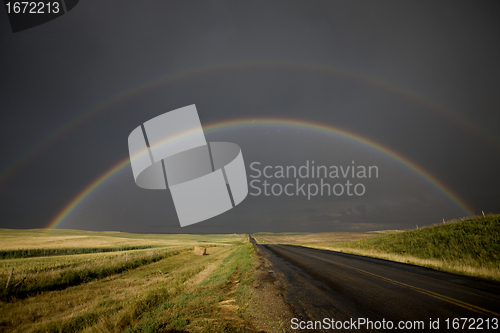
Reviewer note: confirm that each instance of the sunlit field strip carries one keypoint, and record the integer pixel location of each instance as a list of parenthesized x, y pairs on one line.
[(13, 239)]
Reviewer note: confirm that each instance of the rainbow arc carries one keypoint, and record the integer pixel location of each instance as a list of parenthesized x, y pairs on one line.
[(64, 213)]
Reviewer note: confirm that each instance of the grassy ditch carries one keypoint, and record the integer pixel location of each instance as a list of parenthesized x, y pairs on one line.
[(470, 246)]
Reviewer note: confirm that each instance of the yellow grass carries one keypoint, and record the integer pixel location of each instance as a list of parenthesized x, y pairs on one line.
[(114, 300), (105, 292), (40, 267), (13, 239)]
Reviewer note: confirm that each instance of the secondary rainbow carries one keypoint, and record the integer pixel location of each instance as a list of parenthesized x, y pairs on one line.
[(294, 123)]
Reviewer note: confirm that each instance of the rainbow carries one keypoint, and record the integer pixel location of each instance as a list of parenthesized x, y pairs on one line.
[(291, 123), (462, 122)]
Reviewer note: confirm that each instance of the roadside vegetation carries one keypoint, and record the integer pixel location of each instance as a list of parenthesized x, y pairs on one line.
[(469, 246), (157, 289)]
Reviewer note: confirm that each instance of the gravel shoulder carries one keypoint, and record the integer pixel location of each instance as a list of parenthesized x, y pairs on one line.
[(268, 309)]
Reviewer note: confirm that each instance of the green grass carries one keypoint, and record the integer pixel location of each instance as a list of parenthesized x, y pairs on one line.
[(470, 246), (476, 239), (75, 324)]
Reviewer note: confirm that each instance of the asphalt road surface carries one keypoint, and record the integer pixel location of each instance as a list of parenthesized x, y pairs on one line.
[(347, 288)]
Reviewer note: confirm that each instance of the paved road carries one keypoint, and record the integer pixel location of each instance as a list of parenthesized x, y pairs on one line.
[(323, 284)]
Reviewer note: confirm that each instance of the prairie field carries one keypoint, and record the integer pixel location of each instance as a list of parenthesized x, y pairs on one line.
[(119, 282), (40, 242), (82, 281)]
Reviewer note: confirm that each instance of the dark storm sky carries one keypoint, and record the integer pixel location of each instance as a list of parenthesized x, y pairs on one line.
[(421, 78)]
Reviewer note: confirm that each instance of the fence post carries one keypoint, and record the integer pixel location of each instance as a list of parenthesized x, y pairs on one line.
[(8, 280)]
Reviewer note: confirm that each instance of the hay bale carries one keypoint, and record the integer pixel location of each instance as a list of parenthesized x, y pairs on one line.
[(200, 251)]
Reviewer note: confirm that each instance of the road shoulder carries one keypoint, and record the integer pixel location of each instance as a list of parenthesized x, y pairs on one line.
[(268, 309)]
